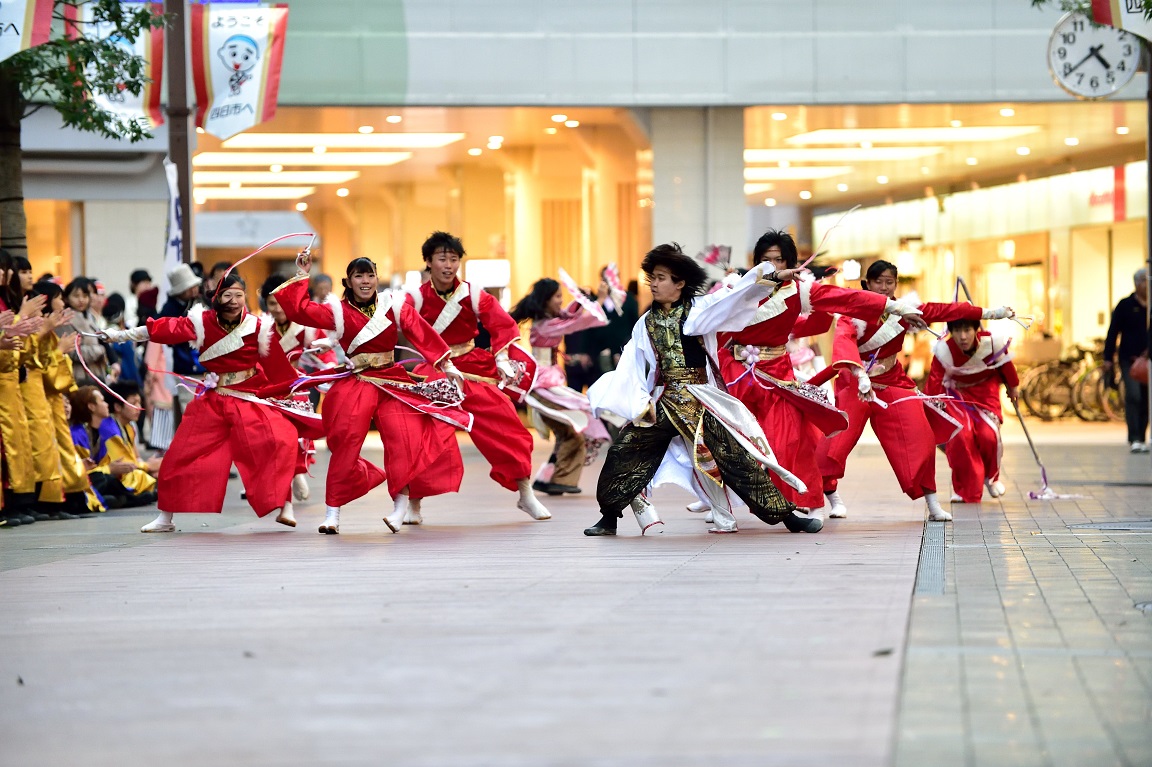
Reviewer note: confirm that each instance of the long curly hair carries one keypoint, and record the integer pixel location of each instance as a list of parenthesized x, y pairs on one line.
[(534, 306), (682, 267)]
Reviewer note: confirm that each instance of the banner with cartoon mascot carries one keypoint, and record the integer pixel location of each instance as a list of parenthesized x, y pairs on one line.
[(24, 24), (237, 50), (143, 108)]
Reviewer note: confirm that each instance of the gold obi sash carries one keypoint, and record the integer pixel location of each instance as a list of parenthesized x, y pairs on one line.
[(372, 360), (236, 377), (685, 375), (882, 366), (765, 352), (459, 350)]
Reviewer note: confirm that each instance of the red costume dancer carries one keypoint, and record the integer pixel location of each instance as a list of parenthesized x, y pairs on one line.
[(309, 351), (970, 365), (908, 426), (416, 421), (232, 420), (454, 309), (758, 370)]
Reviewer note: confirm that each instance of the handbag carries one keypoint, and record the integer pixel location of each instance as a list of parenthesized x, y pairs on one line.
[(1138, 372)]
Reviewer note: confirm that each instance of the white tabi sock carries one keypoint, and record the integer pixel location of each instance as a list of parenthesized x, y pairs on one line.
[(936, 512), (837, 509), (162, 524)]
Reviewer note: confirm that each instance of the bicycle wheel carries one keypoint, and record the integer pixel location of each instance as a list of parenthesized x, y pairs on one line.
[(1086, 396), (1052, 393), (1112, 400), (1030, 389)]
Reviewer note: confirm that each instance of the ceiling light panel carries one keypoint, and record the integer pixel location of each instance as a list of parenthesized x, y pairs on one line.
[(841, 154), (795, 173), (266, 159), (342, 140), (280, 178), (965, 134), (252, 193)]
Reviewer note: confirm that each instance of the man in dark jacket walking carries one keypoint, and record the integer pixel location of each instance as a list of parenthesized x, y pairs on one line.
[(1130, 323)]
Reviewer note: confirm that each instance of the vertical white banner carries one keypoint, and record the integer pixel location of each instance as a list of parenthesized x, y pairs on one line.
[(175, 232)]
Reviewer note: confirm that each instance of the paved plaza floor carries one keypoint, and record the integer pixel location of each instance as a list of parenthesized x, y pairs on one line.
[(1013, 636)]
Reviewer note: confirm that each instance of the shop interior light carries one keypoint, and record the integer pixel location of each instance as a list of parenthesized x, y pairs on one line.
[(841, 187), (493, 145), (200, 130), (268, 177), (805, 195), (275, 168), (971, 161), (770, 202), (550, 131), (301, 206), (572, 123), (1071, 141), (1007, 112), (796, 173), (393, 119), (231, 184), (956, 123), (881, 179), (912, 135), (319, 149), (266, 159), (558, 118), (475, 151), (1023, 151), (252, 193), (495, 139), (925, 170), (342, 140), (841, 154), (1122, 130), (778, 116), (365, 129), (342, 192), (758, 188)]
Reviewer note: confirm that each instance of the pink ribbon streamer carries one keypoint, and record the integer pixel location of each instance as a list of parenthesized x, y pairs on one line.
[(99, 382)]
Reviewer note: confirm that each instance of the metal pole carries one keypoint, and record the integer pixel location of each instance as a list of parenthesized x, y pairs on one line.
[(179, 117)]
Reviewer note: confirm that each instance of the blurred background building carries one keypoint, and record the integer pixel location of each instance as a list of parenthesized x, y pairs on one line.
[(575, 134)]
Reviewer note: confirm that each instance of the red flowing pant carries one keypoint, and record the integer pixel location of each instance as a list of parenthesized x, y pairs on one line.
[(216, 431), (420, 451), (903, 431), (974, 453), (498, 433)]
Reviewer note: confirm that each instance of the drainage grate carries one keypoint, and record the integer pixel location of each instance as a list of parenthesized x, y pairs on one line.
[(930, 571), (1132, 524)]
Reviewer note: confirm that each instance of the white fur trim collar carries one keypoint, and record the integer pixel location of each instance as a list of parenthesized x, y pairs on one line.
[(264, 335), (196, 315), (334, 303)]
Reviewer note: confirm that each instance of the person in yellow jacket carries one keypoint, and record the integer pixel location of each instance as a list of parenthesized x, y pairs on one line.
[(121, 447), (116, 473), (79, 498), (19, 472)]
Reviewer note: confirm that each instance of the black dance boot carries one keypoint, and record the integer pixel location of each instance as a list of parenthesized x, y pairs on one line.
[(606, 525), (798, 524)]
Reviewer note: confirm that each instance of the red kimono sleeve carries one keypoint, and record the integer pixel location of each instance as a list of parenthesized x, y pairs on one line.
[(812, 325), (299, 308), (861, 304), (1009, 375), (278, 370), (171, 330), (949, 312), (421, 335), (499, 323), (935, 382), (845, 350)]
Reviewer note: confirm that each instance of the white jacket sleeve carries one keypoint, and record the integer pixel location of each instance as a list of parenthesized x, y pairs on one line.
[(729, 309)]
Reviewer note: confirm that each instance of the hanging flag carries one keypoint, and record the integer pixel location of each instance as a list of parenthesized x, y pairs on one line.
[(174, 236), (145, 107), (1123, 14), (237, 50), (24, 24)]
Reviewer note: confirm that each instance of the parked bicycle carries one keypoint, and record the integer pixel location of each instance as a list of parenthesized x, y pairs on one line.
[(1074, 385)]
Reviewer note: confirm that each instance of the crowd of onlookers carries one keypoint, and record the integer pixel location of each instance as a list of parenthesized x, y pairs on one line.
[(84, 423)]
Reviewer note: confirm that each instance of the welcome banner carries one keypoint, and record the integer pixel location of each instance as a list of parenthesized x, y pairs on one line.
[(23, 25), (237, 51), (145, 107), (1123, 14)]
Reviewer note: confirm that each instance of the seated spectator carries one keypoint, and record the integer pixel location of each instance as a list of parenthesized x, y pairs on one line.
[(108, 447)]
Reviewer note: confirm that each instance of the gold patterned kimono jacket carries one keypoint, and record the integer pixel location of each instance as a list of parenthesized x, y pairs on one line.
[(19, 471), (45, 456), (58, 382)]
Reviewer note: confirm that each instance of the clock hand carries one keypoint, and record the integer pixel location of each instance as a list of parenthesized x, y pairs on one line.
[(1094, 51)]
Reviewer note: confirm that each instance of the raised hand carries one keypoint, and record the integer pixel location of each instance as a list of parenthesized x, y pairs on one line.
[(27, 326), (304, 261), (7, 317), (32, 305)]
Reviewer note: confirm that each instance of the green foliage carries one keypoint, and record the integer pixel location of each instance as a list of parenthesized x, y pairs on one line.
[(1083, 6), (64, 72)]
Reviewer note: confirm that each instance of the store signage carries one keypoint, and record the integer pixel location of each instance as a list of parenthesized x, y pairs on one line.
[(1116, 197), (1123, 14), (23, 25), (237, 50), (144, 107)]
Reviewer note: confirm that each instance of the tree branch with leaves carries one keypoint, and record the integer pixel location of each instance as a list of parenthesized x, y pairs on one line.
[(64, 73)]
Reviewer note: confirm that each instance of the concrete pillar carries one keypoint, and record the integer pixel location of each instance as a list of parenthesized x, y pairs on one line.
[(698, 169)]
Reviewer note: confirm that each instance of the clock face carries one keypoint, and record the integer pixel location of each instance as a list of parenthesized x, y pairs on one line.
[(1091, 62)]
